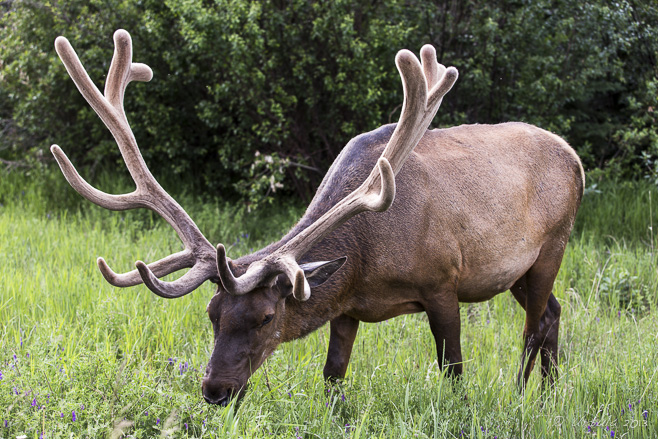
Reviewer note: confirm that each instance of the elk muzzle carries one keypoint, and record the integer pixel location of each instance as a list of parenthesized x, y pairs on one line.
[(220, 391)]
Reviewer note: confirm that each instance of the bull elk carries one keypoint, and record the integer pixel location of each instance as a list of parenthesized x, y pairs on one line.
[(479, 209)]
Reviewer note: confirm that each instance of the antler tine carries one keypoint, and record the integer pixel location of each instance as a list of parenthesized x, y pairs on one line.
[(170, 264), (424, 87), (198, 253)]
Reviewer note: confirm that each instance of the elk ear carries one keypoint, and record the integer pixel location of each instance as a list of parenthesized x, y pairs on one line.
[(317, 273)]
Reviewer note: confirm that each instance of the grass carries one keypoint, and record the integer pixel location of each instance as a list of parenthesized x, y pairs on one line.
[(80, 358)]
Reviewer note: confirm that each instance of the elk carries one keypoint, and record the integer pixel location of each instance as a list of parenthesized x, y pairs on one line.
[(479, 210)]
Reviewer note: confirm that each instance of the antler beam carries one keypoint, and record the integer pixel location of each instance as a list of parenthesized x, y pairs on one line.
[(424, 87), (198, 253)]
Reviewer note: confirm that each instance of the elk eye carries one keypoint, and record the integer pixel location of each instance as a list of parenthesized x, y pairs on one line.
[(268, 318)]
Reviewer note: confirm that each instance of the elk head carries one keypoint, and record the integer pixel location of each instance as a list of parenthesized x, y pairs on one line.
[(248, 311)]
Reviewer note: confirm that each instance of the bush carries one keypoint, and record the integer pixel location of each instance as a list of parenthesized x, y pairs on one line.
[(252, 99)]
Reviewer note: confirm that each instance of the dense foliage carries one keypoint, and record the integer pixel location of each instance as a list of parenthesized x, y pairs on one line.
[(252, 96)]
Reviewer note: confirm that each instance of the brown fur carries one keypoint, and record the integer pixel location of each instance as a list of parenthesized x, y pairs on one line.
[(479, 209)]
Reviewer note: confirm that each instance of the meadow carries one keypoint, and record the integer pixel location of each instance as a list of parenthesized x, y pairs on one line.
[(80, 358)]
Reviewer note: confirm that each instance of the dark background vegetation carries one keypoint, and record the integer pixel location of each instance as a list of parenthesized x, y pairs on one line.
[(252, 100)]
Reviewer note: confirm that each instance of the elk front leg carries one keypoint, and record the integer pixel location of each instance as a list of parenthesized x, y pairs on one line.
[(341, 340), (445, 323)]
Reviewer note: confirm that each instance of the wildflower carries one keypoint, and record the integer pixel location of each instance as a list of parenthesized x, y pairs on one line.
[(186, 426), (612, 433), (6, 423), (645, 414), (34, 402), (171, 361), (73, 418), (342, 397), (589, 428), (157, 421), (630, 406), (289, 395), (61, 414), (0, 375)]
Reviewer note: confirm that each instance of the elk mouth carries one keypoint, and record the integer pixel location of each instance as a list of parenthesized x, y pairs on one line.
[(218, 394)]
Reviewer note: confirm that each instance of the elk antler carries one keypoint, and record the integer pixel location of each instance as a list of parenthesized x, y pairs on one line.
[(424, 88), (198, 253)]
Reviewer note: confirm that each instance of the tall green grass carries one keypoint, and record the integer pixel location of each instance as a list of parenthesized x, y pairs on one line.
[(127, 362)]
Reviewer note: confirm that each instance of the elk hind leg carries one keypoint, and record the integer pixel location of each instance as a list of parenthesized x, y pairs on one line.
[(534, 292)]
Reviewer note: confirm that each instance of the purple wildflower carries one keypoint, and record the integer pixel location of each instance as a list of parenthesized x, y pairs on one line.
[(342, 397), (16, 391), (612, 433), (27, 355), (0, 375), (15, 359), (73, 417), (645, 414), (171, 361), (61, 415), (41, 435), (326, 404), (630, 406), (589, 428), (34, 402), (289, 395), (157, 421), (6, 423), (186, 426)]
